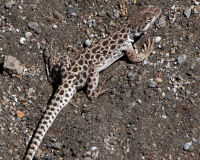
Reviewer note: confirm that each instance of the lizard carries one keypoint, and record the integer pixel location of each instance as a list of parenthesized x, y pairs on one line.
[(85, 68)]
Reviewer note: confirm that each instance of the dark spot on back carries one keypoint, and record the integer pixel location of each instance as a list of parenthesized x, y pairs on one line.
[(113, 47), (71, 76), (49, 113), (95, 49), (104, 43), (120, 41), (80, 62), (90, 86), (111, 42), (65, 85), (35, 143), (125, 36), (88, 91), (90, 46), (94, 79), (91, 74), (84, 75), (129, 25), (89, 80), (44, 122), (61, 92), (90, 62), (115, 36), (85, 67), (87, 55), (104, 52), (97, 56), (77, 77), (123, 30), (58, 98), (66, 95), (75, 69)]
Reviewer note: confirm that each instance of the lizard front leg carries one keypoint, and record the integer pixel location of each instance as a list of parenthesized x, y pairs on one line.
[(138, 57)]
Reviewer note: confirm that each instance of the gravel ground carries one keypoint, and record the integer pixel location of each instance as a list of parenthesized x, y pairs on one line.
[(151, 109)]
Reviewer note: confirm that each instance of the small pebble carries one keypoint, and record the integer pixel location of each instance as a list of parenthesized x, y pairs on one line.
[(57, 15), (174, 90), (187, 146), (116, 14), (88, 42), (56, 145), (182, 58), (162, 22), (9, 4), (20, 114), (72, 11), (192, 66), (152, 84), (157, 39), (170, 97), (197, 3), (164, 116), (12, 65), (158, 80), (22, 40), (187, 12), (139, 101), (93, 148), (54, 26), (33, 25), (28, 35)]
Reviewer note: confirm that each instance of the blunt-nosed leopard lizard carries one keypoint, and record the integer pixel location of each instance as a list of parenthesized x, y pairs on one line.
[(84, 70)]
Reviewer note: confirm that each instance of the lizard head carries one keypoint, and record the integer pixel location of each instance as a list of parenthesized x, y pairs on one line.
[(143, 19)]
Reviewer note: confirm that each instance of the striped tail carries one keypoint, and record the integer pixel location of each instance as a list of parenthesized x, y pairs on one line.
[(62, 97)]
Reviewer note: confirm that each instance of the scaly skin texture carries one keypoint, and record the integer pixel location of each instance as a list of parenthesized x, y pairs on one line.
[(84, 70)]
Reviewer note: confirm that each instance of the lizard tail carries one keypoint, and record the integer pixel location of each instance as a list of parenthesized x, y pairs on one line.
[(59, 101)]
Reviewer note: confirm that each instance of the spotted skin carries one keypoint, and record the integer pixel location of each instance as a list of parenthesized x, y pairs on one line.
[(84, 70)]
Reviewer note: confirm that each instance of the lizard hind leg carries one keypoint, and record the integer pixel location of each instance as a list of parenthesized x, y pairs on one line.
[(93, 87)]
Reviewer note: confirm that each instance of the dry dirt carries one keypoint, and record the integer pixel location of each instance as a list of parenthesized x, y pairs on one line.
[(151, 109)]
